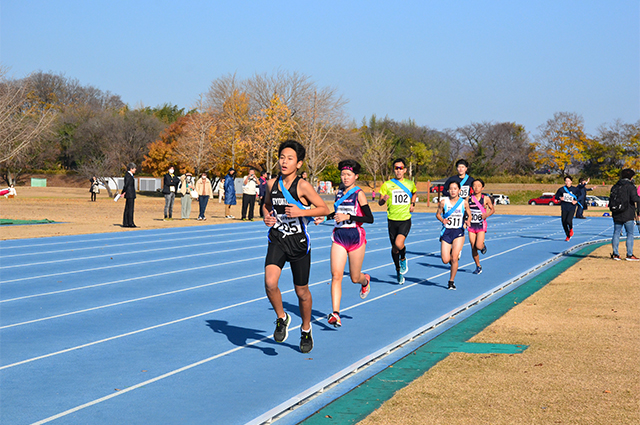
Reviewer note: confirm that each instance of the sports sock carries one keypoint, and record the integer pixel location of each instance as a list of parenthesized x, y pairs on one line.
[(396, 259)]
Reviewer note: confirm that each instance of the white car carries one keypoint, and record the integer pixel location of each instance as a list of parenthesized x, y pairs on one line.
[(500, 199), (594, 201)]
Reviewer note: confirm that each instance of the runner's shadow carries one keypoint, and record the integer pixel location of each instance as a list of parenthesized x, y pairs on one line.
[(294, 310), (423, 282), (241, 336), (536, 237), (425, 254)]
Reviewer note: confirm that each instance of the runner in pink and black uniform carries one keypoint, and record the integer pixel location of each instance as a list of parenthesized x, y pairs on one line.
[(349, 240), (481, 207)]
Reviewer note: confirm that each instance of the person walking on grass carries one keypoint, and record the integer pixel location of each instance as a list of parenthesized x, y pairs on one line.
[(481, 207), (203, 187), (286, 209), (624, 203), (568, 195), (94, 189), (229, 192), (451, 213), (351, 210), (399, 195), (170, 184)]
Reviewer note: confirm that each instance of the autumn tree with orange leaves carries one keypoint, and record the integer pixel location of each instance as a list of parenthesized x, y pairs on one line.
[(561, 142), (271, 126)]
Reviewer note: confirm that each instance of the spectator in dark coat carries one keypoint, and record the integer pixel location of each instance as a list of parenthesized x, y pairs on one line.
[(169, 189), (129, 193), (229, 192), (626, 216), (582, 197)]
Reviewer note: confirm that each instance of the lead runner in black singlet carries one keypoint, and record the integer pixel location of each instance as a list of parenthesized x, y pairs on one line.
[(285, 210)]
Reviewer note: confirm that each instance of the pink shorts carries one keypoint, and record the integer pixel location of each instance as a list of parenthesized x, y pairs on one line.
[(478, 227), (350, 238)]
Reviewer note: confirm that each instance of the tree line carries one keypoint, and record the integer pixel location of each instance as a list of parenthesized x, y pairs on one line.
[(51, 122)]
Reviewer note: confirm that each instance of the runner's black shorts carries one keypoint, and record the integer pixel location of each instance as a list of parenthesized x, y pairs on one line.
[(398, 228), (300, 266)]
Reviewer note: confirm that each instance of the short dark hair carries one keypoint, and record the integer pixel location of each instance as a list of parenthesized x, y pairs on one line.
[(456, 183), (582, 180), (463, 162), (296, 146), (349, 164), (399, 160), (568, 177), (627, 173), (481, 181)]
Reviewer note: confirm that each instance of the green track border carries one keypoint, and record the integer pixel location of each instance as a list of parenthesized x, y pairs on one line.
[(361, 401)]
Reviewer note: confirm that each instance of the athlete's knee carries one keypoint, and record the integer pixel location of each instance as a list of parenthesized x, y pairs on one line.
[(303, 293)]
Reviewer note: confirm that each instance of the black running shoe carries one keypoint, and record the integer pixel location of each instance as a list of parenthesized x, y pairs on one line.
[(484, 249), (306, 341), (452, 286), (282, 328)]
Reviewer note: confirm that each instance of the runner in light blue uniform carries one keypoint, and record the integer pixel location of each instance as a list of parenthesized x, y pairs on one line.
[(451, 213)]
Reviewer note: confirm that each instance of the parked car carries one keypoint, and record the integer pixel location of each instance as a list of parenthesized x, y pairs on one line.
[(545, 199), (499, 199), (437, 188), (595, 201)]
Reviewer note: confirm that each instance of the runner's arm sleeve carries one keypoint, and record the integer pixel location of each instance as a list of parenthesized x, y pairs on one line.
[(331, 216), (367, 218)]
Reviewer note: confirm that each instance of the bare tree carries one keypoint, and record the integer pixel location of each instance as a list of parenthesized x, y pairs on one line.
[(377, 150), (23, 126), (319, 125)]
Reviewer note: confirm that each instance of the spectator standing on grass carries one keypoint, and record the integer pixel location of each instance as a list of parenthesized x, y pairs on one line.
[(249, 191), (94, 189), (624, 203), (169, 188), (129, 193), (582, 196), (220, 188), (203, 187), (229, 192), (186, 186)]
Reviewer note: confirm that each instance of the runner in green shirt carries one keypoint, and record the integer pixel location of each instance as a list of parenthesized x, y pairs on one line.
[(399, 195)]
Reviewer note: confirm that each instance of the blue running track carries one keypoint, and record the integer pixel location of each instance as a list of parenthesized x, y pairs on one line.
[(172, 326)]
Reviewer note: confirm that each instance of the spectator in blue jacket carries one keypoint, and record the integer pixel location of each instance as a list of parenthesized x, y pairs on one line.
[(229, 192)]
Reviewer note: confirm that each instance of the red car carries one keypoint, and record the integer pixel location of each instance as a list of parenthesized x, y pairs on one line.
[(437, 188), (545, 199)]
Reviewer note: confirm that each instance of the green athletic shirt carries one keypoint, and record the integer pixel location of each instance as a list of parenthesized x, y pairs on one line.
[(399, 202)]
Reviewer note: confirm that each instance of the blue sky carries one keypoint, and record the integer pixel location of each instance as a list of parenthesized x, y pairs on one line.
[(440, 63)]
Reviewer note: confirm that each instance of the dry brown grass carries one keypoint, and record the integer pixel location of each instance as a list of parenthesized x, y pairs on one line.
[(582, 365)]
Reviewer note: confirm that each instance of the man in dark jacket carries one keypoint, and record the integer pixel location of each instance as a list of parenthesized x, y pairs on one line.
[(582, 197), (129, 192), (169, 189), (626, 216)]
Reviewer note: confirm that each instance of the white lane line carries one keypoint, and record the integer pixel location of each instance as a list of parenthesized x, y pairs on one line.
[(243, 303), (106, 254), (155, 295), (217, 356), (160, 239), (122, 236)]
